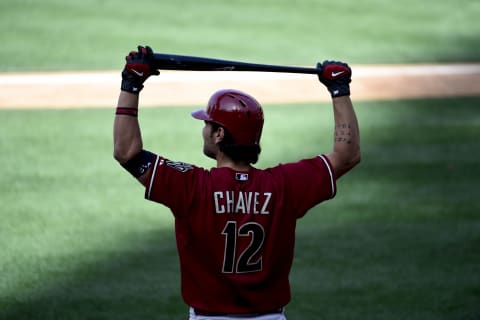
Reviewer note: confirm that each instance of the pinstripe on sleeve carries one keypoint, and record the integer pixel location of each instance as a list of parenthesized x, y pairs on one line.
[(152, 178), (330, 172)]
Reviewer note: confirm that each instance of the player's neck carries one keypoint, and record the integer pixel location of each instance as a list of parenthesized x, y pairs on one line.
[(225, 161)]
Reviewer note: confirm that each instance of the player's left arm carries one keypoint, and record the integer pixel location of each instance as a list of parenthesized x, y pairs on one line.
[(127, 137)]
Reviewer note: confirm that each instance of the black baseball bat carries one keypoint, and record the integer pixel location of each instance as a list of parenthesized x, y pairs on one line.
[(165, 61)]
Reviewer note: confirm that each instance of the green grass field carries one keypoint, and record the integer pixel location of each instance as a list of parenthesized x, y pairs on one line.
[(401, 240), (89, 34)]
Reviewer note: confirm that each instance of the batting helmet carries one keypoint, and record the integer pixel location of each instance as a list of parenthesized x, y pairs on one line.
[(236, 111)]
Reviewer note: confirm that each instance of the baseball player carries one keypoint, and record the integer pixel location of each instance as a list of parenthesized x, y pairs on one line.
[(234, 223)]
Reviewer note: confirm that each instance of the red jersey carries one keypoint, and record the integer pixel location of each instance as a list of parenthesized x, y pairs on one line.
[(235, 231)]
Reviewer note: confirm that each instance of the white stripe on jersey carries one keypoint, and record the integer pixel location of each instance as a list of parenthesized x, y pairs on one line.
[(152, 177), (332, 183)]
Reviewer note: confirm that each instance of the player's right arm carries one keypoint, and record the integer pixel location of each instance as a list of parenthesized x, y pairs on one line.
[(336, 76), (127, 138)]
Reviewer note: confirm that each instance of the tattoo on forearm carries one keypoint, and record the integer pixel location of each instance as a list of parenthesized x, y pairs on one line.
[(344, 133)]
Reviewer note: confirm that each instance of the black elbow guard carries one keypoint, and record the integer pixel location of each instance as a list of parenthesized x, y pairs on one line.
[(138, 165)]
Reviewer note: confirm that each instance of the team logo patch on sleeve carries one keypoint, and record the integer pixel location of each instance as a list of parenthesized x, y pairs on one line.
[(180, 166)]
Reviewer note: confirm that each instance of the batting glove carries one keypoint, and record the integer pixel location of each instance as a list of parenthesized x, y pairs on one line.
[(336, 76), (138, 68)]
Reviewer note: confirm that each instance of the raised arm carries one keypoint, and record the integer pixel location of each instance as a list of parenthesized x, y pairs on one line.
[(336, 76), (127, 138)]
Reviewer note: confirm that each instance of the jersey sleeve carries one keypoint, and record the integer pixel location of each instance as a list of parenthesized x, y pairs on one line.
[(172, 183), (309, 182)]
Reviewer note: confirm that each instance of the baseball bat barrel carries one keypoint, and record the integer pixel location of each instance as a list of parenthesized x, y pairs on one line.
[(164, 61)]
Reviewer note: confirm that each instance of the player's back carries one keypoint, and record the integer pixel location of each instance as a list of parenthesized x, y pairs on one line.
[(239, 241), (235, 231)]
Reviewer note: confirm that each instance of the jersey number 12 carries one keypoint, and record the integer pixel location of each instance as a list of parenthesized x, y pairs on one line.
[(245, 262)]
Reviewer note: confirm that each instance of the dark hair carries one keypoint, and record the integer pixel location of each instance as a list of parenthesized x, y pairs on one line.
[(234, 151)]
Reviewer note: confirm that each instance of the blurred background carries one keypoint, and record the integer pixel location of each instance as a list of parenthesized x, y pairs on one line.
[(65, 35), (400, 240)]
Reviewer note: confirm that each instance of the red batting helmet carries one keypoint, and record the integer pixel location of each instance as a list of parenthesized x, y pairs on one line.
[(236, 111)]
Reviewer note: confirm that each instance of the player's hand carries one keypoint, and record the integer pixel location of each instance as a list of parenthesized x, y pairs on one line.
[(336, 76), (138, 68)]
